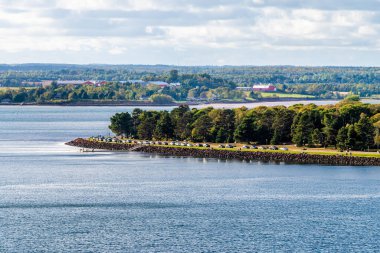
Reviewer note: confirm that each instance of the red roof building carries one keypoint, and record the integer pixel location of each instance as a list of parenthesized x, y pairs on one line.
[(265, 88)]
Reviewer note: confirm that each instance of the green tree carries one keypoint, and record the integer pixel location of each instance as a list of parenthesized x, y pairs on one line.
[(20, 97), (365, 131), (182, 120), (121, 124), (245, 130), (202, 129), (377, 133), (161, 99), (255, 95), (352, 98), (281, 125), (317, 137), (350, 113), (341, 138), (173, 76), (84, 95), (164, 127), (331, 127), (136, 113), (302, 129), (223, 125), (72, 96), (352, 137), (147, 125)]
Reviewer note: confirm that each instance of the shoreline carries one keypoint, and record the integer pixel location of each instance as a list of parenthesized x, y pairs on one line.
[(148, 103), (302, 158), (97, 104), (215, 104)]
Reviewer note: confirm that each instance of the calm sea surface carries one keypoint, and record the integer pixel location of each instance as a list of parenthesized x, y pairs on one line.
[(55, 199)]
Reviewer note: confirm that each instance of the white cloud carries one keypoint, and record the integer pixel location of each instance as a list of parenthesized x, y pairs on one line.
[(162, 31)]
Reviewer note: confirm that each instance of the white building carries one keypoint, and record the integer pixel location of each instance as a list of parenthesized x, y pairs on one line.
[(244, 88)]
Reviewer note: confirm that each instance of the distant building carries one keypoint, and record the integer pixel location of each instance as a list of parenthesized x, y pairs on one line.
[(67, 82), (135, 82), (342, 93), (244, 88), (265, 88)]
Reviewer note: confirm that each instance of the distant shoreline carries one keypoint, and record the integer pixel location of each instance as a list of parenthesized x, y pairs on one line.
[(107, 103), (215, 104), (301, 158), (148, 103)]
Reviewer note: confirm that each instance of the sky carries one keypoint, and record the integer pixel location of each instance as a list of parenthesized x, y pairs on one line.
[(191, 32)]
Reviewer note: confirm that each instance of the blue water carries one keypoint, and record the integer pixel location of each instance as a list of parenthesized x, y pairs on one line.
[(55, 199)]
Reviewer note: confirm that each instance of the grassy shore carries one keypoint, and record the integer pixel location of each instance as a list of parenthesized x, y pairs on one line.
[(292, 149), (16, 88), (284, 95), (91, 102), (311, 151)]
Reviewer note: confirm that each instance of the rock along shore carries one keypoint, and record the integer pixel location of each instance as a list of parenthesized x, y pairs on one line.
[(228, 154)]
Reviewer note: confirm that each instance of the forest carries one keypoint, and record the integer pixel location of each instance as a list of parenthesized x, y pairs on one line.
[(347, 125)]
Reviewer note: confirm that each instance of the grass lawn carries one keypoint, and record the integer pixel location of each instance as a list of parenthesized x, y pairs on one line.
[(15, 88), (284, 95), (292, 150), (311, 151)]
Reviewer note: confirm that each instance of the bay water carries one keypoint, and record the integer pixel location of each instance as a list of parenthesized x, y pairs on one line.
[(55, 199)]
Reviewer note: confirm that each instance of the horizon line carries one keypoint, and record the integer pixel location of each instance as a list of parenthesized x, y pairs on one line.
[(174, 65)]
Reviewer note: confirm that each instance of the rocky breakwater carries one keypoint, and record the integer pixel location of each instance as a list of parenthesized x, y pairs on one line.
[(232, 154), (87, 144)]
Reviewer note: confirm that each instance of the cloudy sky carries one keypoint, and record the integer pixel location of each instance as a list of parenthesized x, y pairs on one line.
[(191, 32)]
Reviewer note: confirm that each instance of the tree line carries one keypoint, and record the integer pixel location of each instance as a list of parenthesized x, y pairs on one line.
[(205, 82), (202, 85), (347, 125), (237, 74)]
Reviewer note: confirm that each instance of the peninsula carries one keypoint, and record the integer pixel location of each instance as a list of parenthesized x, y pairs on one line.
[(231, 153), (347, 133)]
